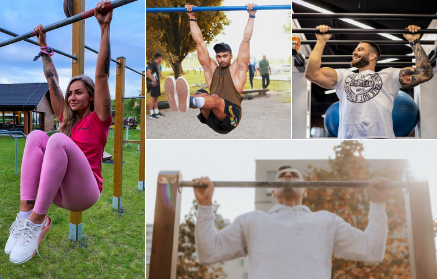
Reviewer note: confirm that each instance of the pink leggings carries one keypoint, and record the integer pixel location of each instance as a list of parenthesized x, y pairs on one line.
[(58, 170)]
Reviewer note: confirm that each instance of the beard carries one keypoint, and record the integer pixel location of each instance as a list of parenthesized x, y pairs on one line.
[(223, 64), (362, 62)]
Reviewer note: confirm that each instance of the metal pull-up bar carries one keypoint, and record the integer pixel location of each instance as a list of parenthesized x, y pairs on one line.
[(386, 56), (109, 7), (35, 43), (356, 42), (365, 16), (294, 184), (216, 8), (364, 31)]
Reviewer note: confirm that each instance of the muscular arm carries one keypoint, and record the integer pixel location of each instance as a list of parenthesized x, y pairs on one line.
[(56, 96), (244, 55), (207, 63), (423, 72), (324, 77)]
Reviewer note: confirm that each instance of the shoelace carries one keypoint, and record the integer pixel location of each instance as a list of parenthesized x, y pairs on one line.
[(27, 232), (13, 230)]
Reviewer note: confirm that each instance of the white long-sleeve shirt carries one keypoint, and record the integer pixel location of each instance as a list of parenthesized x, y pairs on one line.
[(290, 242)]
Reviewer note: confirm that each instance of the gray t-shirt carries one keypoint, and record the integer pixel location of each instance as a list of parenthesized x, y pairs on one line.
[(366, 103)]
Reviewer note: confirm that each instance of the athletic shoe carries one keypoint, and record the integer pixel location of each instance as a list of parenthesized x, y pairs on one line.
[(29, 240), (14, 233), (183, 94), (153, 116), (170, 92), (159, 114)]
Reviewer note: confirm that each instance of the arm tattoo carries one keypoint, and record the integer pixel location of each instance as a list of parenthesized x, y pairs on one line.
[(51, 75), (422, 73), (30, 202), (108, 107), (108, 59)]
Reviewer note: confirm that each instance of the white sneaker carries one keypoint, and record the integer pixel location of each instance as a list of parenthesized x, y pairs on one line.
[(170, 92), (183, 91), (29, 239), (14, 233)]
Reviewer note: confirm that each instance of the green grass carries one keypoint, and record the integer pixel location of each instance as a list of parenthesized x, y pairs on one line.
[(113, 244), (198, 77)]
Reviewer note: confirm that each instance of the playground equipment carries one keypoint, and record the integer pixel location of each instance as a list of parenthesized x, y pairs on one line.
[(163, 260)]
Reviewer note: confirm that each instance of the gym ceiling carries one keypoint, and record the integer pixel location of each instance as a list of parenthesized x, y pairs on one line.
[(321, 101)]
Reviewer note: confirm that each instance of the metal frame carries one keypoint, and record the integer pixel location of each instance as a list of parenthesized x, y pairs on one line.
[(362, 31), (386, 56), (216, 8), (163, 260)]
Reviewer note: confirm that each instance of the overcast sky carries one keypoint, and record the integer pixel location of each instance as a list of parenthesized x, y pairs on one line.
[(127, 40), (233, 160)]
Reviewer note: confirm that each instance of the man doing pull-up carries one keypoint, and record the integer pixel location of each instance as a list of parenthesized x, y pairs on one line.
[(290, 241), (220, 110)]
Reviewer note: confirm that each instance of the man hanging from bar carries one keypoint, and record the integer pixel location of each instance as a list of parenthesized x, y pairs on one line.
[(290, 241), (367, 98), (220, 110)]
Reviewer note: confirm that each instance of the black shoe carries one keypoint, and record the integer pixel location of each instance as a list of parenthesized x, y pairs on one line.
[(153, 116), (159, 114)]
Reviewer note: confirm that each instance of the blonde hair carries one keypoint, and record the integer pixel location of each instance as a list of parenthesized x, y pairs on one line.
[(70, 117)]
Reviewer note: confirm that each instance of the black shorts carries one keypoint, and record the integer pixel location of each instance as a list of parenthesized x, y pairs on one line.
[(155, 91), (229, 123)]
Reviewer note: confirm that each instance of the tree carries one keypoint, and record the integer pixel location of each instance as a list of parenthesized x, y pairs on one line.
[(188, 267), (169, 33), (353, 206)]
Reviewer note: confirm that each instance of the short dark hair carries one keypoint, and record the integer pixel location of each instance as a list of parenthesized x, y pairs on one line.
[(157, 55), (374, 48), (285, 167)]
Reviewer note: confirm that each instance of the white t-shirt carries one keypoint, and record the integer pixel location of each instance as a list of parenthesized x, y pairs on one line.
[(366, 103), (291, 242)]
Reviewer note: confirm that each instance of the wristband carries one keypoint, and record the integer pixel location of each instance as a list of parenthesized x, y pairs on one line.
[(252, 16), (412, 43), (44, 50), (193, 19)]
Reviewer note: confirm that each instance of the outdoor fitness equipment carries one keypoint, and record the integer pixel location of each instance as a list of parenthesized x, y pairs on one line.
[(301, 99), (163, 259), (405, 115), (216, 8), (78, 46)]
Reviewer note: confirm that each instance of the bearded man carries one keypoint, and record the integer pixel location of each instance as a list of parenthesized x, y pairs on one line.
[(367, 98)]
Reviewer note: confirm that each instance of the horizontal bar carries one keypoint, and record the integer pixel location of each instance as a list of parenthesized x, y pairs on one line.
[(364, 16), (109, 6), (216, 8), (363, 31), (356, 42), (35, 43), (296, 184), (137, 97), (131, 141), (115, 61), (386, 56), (386, 65)]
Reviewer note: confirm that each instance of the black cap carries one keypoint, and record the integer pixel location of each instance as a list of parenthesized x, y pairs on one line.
[(222, 47)]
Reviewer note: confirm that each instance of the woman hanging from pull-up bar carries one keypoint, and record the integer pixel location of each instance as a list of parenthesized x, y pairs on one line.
[(65, 169)]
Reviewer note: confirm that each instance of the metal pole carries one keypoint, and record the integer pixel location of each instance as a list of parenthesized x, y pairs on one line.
[(78, 17), (35, 43), (356, 42), (297, 184), (363, 31), (16, 161), (365, 16), (115, 61), (216, 8)]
